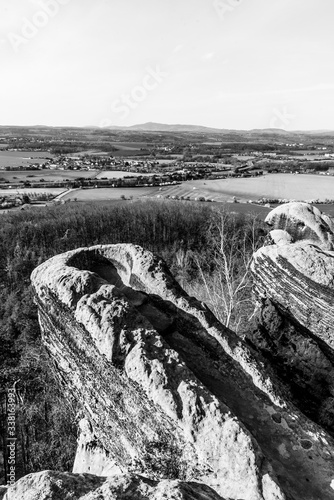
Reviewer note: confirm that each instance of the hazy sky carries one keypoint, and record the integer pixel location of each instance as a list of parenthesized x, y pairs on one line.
[(221, 63)]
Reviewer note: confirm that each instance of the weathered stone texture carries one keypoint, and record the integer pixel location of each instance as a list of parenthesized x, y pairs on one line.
[(168, 391), (294, 289), (53, 485)]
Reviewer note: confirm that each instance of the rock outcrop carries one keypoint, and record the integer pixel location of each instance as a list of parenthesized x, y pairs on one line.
[(48, 485), (294, 288), (91, 455), (305, 221), (165, 389)]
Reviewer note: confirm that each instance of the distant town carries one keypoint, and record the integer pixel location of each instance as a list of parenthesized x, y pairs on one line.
[(45, 161), (168, 170)]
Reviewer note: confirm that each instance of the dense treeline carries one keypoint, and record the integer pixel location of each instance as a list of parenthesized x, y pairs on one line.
[(207, 250)]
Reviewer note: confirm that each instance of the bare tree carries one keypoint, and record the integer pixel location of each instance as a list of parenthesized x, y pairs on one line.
[(225, 280)]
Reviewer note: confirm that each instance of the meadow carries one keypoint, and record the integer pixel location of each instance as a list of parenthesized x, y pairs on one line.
[(100, 194), (123, 149), (22, 158), (14, 191), (278, 186), (47, 175), (273, 186), (130, 146), (61, 175)]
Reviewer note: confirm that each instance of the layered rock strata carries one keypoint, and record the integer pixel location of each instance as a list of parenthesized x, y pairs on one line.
[(48, 485), (167, 390), (294, 288)]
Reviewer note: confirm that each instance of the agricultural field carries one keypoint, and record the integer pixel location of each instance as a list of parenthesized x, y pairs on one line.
[(99, 194), (167, 161), (88, 152), (131, 146), (280, 186), (118, 174), (61, 175), (47, 175), (309, 156), (125, 149), (272, 186), (22, 158), (29, 191)]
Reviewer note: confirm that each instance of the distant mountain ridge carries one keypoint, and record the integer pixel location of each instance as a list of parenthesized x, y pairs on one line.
[(183, 128), (163, 127)]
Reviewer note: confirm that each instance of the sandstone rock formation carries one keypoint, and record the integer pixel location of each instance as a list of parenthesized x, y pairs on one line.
[(166, 390), (48, 485), (91, 455), (294, 285), (305, 221)]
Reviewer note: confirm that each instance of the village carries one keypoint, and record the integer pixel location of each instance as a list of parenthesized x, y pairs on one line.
[(92, 171)]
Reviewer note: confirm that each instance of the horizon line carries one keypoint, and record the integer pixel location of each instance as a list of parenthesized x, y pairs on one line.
[(115, 127)]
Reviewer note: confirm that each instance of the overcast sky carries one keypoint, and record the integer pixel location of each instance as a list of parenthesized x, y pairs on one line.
[(221, 63)]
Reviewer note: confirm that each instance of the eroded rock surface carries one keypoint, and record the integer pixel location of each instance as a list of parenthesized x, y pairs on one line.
[(53, 485), (91, 455), (294, 287), (306, 222), (167, 390)]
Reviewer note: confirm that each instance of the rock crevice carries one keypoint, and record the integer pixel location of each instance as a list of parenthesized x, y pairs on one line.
[(168, 390), (294, 289)]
